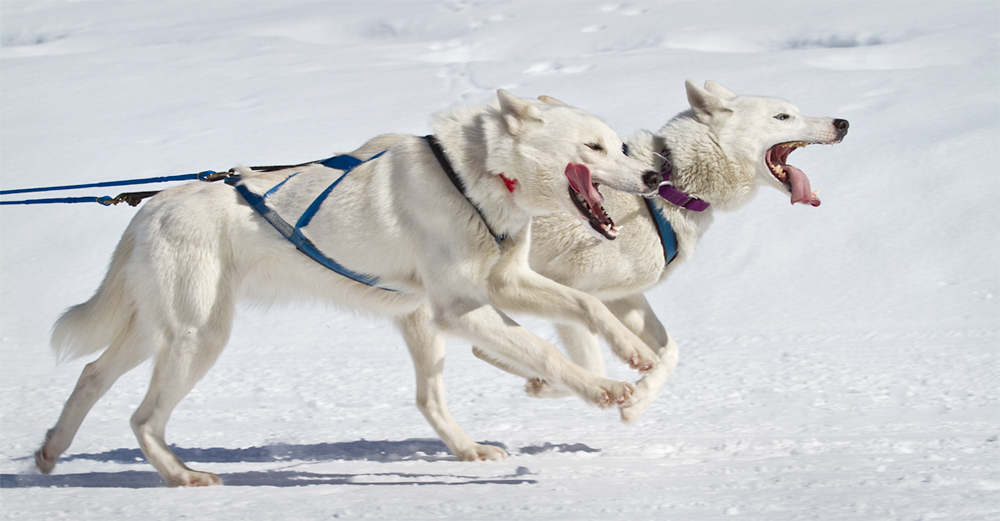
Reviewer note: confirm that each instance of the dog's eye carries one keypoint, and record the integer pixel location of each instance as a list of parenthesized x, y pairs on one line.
[(782, 117), (595, 146), (625, 149)]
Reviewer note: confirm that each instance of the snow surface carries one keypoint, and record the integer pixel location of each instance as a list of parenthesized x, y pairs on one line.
[(838, 362)]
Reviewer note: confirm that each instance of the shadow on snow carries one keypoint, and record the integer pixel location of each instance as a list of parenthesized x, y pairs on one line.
[(362, 450)]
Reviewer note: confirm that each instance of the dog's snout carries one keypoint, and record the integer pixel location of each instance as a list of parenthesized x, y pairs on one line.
[(841, 125), (652, 178)]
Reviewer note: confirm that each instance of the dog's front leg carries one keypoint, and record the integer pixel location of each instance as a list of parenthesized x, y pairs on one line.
[(636, 314), (515, 287), (583, 348), (506, 342), (427, 348)]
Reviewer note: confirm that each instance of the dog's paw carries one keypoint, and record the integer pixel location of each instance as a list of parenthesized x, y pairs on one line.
[(638, 356), (193, 478), (637, 404), (646, 360), (481, 453), (538, 388), (642, 363), (613, 393), (45, 462)]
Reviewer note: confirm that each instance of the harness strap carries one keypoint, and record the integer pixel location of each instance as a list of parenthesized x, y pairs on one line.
[(294, 233), (666, 232), (457, 181)]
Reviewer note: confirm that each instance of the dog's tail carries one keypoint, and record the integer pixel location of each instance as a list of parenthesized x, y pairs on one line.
[(90, 327)]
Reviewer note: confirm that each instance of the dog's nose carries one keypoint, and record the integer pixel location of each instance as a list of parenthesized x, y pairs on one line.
[(652, 178), (841, 125)]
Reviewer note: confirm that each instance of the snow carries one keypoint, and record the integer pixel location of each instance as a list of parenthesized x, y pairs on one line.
[(838, 362)]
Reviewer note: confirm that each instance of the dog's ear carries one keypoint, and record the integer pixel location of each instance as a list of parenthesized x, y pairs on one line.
[(517, 113), (707, 106), (719, 90), (551, 101)]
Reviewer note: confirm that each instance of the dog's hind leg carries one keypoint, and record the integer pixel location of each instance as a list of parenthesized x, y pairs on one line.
[(427, 348), (95, 380), (179, 366), (583, 347), (636, 314), (192, 315)]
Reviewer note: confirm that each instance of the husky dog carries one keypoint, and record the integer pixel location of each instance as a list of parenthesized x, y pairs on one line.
[(720, 152), (434, 231)]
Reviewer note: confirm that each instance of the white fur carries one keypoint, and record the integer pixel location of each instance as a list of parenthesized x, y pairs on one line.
[(192, 252), (717, 149)]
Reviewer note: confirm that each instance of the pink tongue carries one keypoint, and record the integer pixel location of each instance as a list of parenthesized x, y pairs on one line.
[(801, 191), (579, 179)]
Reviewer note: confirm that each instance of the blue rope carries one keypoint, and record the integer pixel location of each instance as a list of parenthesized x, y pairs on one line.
[(105, 200), (183, 177), (343, 162)]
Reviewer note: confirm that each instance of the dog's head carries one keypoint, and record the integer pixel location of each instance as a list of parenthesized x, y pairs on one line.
[(757, 134), (556, 157)]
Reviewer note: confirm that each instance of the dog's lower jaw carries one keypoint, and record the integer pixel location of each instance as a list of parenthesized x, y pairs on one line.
[(601, 225), (793, 179)]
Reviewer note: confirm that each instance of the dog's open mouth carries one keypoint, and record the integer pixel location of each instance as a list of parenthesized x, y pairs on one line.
[(793, 178), (583, 191)]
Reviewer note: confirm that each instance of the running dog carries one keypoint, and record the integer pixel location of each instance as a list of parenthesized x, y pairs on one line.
[(433, 233), (714, 156)]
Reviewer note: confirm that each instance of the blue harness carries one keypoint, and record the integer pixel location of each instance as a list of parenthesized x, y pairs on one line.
[(666, 232), (345, 163), (294, 233)]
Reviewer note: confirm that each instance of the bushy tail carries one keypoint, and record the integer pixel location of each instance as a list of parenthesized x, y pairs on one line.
[(90, 327)]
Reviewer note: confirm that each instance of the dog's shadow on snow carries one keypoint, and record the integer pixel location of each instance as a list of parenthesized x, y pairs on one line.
[(288, 476)]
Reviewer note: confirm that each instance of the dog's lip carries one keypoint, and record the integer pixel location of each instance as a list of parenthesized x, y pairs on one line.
[(587, 198), (795, 180)]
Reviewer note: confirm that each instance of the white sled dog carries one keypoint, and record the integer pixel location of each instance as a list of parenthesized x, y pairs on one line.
[(435, 230), (720, 152), (717, 155)]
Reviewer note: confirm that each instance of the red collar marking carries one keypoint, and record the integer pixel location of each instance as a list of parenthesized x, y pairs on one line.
[(511, 183)]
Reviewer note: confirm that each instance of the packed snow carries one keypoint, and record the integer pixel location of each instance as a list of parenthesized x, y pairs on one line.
[(837, 363)]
